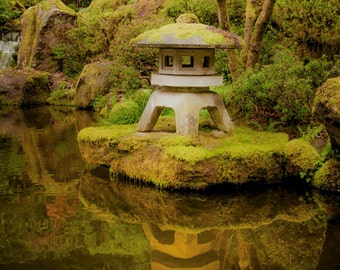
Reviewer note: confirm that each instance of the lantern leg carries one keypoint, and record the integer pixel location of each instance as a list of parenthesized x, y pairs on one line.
[(149, 117), (186, 107)]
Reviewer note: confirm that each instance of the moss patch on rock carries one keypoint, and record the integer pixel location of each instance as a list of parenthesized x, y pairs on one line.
[(328, 176), (190, 34), (44, 28), (171, 160), (24, 87), (302, 157), (327, 110)]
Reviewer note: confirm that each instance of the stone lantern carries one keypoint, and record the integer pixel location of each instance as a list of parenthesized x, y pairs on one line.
[(186, 71)]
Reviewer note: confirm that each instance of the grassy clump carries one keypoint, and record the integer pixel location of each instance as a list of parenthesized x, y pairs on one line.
[(129, 110)]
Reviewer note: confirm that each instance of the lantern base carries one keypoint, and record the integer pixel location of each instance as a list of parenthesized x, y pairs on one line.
[(186, 107)]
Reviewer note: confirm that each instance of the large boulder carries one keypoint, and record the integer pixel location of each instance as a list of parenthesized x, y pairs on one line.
[(44, 39), (24, 87), (94, 81), (327, 110)]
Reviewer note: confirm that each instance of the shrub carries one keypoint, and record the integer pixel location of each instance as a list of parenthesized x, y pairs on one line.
[(127, 112), (281, 92), (130, 110), (205, 10), (133, 66)]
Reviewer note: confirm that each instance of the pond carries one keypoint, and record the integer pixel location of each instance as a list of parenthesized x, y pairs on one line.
[(58, 213)]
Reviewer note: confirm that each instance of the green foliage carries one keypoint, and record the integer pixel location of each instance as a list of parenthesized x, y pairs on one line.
[(205, 10), (321, 69), (133, 66), (283, 91), (127, 112), (315, 24), (310, 133), (130, 110), (58, 93), (98, 103), (59, 54), (7, 11)]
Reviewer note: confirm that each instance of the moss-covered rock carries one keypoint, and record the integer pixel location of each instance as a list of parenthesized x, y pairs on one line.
[(327, 110), (171, 160), (24, 87), (328, 176), (94, 81), (302, 158), (44, 28)]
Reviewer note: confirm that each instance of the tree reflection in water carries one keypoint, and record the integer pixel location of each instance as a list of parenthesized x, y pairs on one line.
[(57, 214), (273, 229)]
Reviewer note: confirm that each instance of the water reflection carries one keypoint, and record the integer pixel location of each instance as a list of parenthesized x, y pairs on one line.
[(276, 229), (55, 213)]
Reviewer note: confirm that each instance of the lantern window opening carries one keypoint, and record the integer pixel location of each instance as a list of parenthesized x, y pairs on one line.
[(187, 61), (168, 61), (206, 62)]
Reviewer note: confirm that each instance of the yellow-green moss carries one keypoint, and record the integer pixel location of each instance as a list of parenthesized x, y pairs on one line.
[(302, 157), (58, 4), (189, 153), (186, 31), (111, 133), (187, 18), (329, 93), (328, 176), (172, 160)]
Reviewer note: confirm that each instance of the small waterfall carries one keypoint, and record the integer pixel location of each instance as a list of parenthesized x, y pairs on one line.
[(9, 44)]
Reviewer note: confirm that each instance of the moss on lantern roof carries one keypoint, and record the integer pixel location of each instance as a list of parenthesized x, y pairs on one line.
[(188, 35)]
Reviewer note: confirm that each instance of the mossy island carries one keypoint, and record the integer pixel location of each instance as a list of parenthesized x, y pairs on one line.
[(169, 160)]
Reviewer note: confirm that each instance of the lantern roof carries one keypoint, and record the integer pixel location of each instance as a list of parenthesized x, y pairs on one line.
[(188, 35)]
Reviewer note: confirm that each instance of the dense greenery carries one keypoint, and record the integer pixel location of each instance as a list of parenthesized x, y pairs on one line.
[(281, 92), (299, 51)]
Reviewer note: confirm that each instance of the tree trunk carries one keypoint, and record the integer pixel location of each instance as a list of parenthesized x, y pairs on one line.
[(233, 57), (250, 21), (262, 22), (223, 17)]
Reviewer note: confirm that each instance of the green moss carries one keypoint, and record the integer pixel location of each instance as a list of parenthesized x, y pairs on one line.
[(189, 153), (180, 32), (58, 4), (302, 157), (329, 93), (111, 133), (328, 176), (172, 160), (28, 39), (187, 18), (175, 140)]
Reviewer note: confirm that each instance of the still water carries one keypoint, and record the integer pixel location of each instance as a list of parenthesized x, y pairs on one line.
[(58, 213)]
